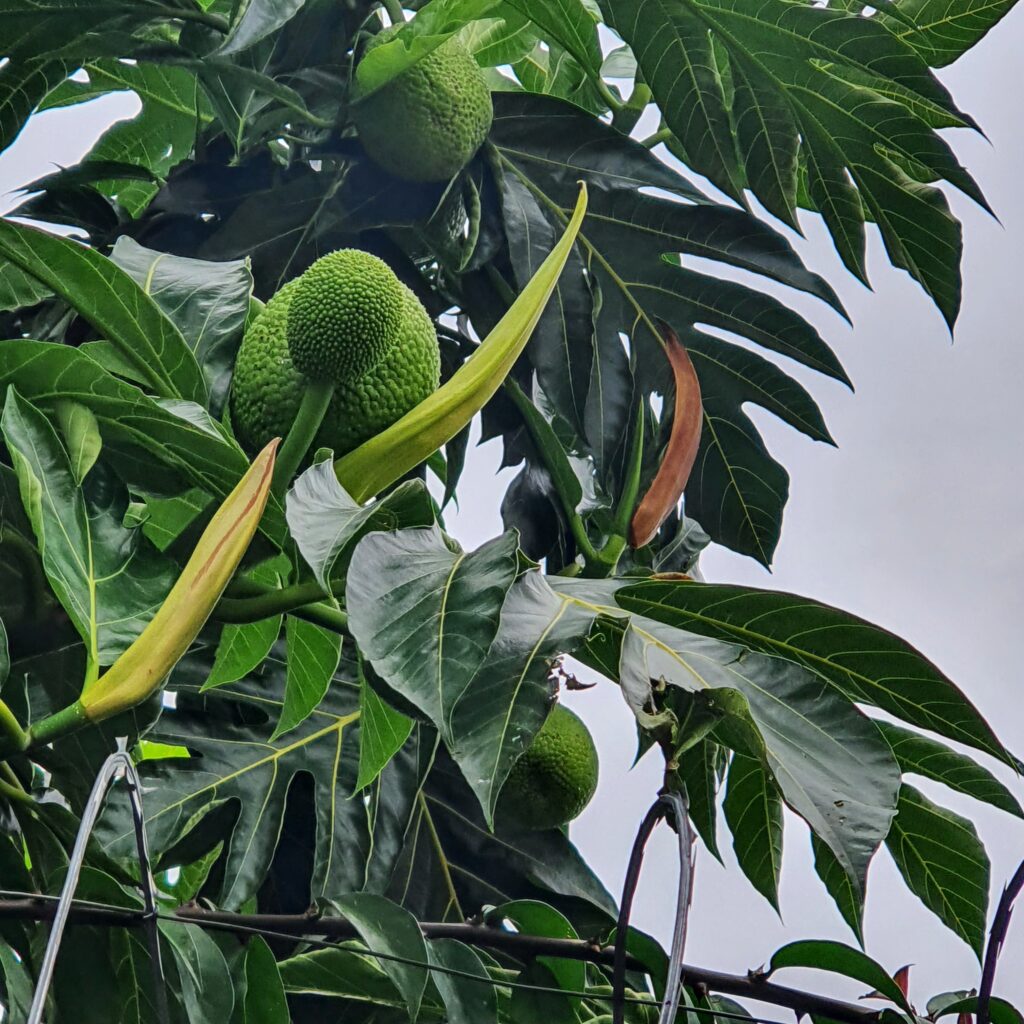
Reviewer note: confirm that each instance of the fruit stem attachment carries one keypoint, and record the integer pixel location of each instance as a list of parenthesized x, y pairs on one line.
[(316, 397), (631, 483), (15, 737)]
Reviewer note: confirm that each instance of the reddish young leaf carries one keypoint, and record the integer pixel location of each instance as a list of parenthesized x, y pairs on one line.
[(667, 486)]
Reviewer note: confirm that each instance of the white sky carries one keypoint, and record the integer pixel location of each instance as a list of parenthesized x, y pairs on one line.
[(916, 522)]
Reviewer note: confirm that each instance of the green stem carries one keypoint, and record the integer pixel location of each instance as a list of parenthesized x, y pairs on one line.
[(614, 103), (576, 525), (661, 135), (303, 600), (626, 118), (11, 728), (395, 12), (316, 397), (15, 793), (214, 21), (68, 720), (631, 484)]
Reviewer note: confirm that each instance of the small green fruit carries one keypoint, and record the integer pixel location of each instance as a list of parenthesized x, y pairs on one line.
[(426, 124), (555, 778)]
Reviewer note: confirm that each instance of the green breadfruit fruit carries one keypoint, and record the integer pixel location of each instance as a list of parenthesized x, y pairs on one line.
[(426, 124), (343, 315), (555, 778), (267, 389)]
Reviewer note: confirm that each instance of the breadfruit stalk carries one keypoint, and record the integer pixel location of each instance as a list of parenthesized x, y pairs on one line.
[(316, 398), (140, 671), (387, 457)]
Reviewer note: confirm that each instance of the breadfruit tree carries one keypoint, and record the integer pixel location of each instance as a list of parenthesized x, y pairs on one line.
[(247, 341)]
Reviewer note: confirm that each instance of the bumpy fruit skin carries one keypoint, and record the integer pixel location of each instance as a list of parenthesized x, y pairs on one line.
[(344, 311), (427, 123), (267, 389), (555, 778)]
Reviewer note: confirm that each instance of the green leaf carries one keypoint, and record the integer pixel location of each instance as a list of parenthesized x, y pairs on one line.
[(921, 755), (260, 18), (1000, 1011), (753, 810), (839, 959), (466, 1001), (855, 98), (265, 1000), (424, 613), (23, 84), (70, 28), (567, 23), (113, 303), (532, 917), (18, 289), (340, 973), (826, 758), (17, 985), (387, 928), (313, 655), (81, 436), (636, 250), (698, 770), (107, 578), (434, 23), (142, 434), (849, 900), (382, 733), (208, 301), (940, 30), (453, 861), (944, 864), (242, 649), (864, 661), (206, 992), (505, 704), (325, 521), (227, 730)]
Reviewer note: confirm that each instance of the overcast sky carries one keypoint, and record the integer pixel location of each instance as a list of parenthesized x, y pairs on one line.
[(916, 523)]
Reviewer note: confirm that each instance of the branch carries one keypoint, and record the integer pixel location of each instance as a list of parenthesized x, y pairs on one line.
[(996, 937), (249, 601), (523, 946)]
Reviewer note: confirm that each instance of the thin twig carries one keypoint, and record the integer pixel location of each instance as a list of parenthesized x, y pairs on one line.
[(40, 908), (996, 938)]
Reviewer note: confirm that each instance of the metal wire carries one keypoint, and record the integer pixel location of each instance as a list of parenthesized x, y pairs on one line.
[(118, 765), (412, 962)]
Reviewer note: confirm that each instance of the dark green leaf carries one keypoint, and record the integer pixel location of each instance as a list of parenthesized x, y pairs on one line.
[(242, 649), (839, 959), (23, 84), (325, 521), (113, 303), (698, 770), (16, 984), (848, 899), (204, 984), (424, 612), (567, 23), (864, 661), (466, 1001), (505, 704), (207, 301), (342, 973), (260, 18), (313, 654), (1000, 1011), (942, 31), (387, 928), (753, 810), (826, 758), (81, 437), (107, 578), (921, 755), (382, 733), (265, 1001), (944, 864), (142, 432), (532, 917)]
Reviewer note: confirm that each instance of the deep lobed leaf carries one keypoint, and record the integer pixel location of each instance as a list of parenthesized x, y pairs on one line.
[(866, 662)]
